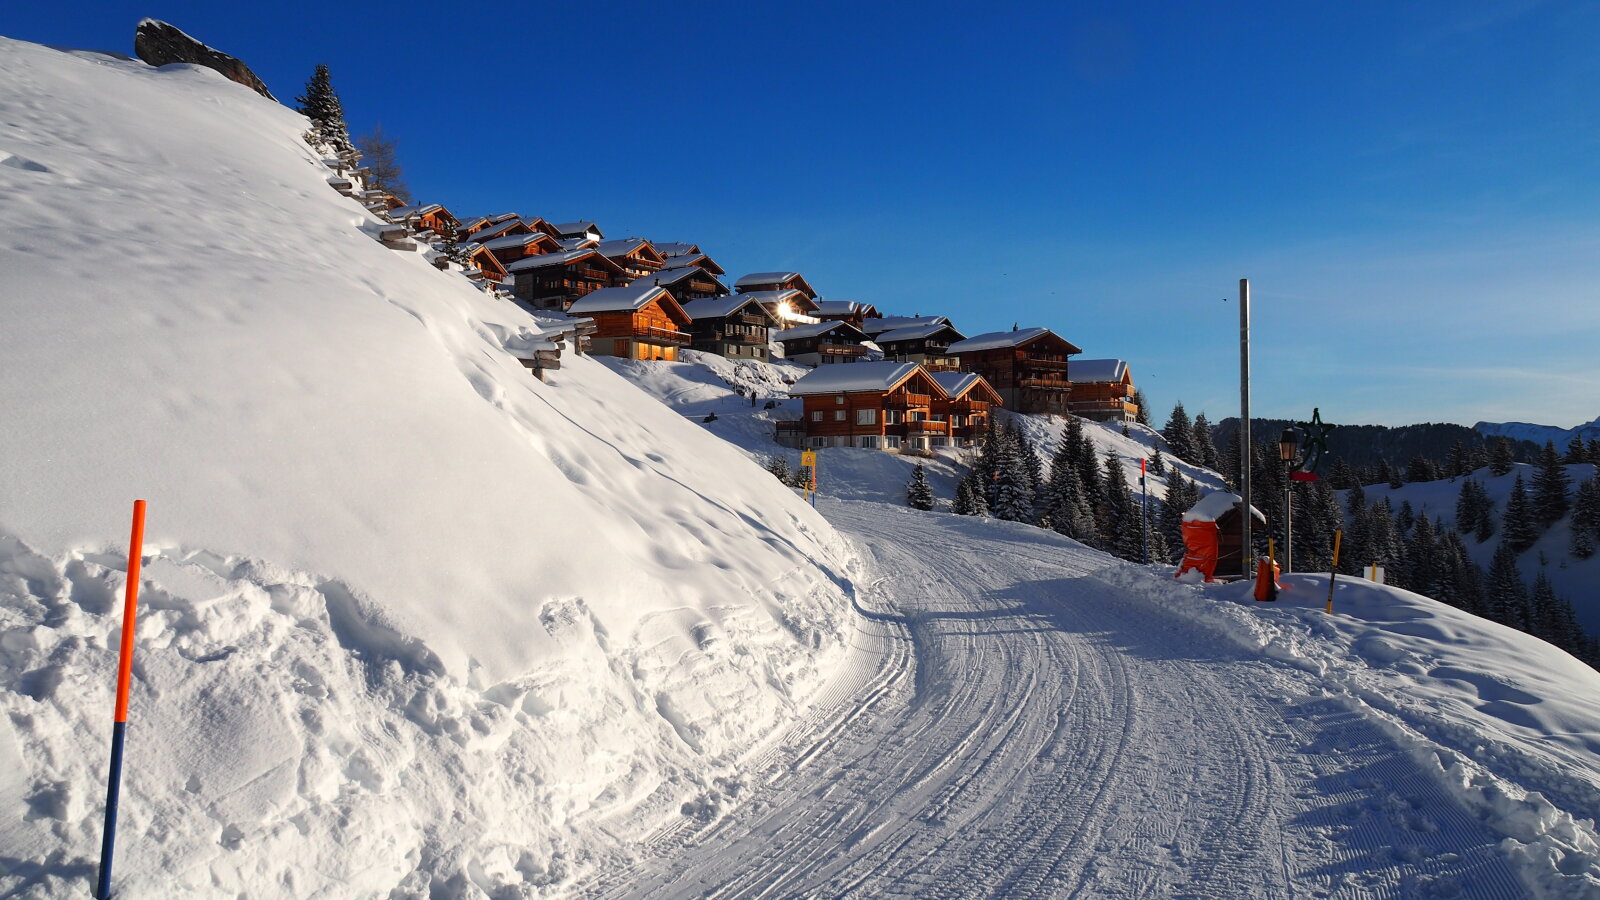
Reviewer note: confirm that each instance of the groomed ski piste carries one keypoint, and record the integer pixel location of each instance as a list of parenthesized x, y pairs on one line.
[(417, 625)]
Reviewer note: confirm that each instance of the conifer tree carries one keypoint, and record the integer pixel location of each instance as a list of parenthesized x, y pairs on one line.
[(1586, 518), (969, 499), (1179, 433), (1508, 599), (1576, 452), (1406, 517), (1459, 462), (321, 105), (1158, 463), (1181, 496), (1517, 529), (1467, 507), (1341, 476), (919, 494), (1120, 523), (1422, 558), (1143, 414), (1593, 451), (1064, 504), (779, 467), (1501, 456), (1204, 446), (1396, 478), (1420, 468), (1550, 485)]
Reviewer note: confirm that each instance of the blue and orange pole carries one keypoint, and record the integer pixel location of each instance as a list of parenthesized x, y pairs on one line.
[(119, 728)]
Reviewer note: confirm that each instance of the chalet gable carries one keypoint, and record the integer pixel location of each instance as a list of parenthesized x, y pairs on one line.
[(630, 299), (868, 377), (841, 331), (757, 281), (581, 228), (1100, 371), (723, 307), (967, 385), (637, 249), (1033, 340)]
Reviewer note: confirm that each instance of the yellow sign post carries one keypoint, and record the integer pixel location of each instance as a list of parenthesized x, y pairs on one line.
[(808, 469)]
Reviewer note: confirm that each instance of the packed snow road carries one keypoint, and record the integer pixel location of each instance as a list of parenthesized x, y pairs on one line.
[(1021, 719)]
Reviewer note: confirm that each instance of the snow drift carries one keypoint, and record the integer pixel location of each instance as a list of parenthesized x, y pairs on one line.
[(411, 613)]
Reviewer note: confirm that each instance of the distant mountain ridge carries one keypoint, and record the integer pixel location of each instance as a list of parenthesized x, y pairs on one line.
[(1538, 434)]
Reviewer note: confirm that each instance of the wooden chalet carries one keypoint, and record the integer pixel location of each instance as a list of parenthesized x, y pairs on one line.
[(1102, 390), (876, 326), (556, 280), (696, 259), (925, 344), (850, 311), (583, 228), (381, 202), (736, 326), (686, 282), (487, 267), (484, 230), (967, 408), (636, 256), (791, 307), (872, 405), (670, 249), (822, 344), (426, 217), (775, 281), (634, 322), (512, 247), (1027, 367)]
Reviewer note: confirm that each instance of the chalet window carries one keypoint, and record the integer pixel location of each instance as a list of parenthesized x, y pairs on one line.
[(816, 415), (955, 421), (891, 417), (867, 442), (817, 442), (839, 400), (891, 442), (866, 417), (838, 415)]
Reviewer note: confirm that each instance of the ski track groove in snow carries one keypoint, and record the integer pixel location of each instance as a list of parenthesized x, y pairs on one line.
[(1008, 725)]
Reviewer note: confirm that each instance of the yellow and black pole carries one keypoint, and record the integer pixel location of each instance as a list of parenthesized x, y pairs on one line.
[(119, 727), (1334, 575)]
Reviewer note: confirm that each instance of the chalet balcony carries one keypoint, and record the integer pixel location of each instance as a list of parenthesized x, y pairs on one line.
[(1059, 365), (594, 274), (739, 338), (746, 318), (649, 334), (963, 407), (1052, 384), (926, 428), (841, 350), (793, 427), (909, 401)]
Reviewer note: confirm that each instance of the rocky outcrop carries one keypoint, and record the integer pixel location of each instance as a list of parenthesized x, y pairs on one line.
[(159, 44)]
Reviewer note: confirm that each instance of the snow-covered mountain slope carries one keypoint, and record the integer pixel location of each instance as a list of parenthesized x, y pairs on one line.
[(1578, 580), (412, 617), (1539, 434)]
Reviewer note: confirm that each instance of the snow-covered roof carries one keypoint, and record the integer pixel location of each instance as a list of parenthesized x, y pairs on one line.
[(801, 332), (513, 240), (839, 307), (997, 339), (621, 247), (891, 323), (861, 376), (578, 243), (581, 226), (1215, 505), (956, 383), (619, 299), (718, 307), (914, 333), (406, 212), (676, 248), (550, 259), (1085, 371)]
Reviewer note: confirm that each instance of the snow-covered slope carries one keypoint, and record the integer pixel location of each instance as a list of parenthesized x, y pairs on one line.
[(410, 614), (1539, 434), (1578, 580)]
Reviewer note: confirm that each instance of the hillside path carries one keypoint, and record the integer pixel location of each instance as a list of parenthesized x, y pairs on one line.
[(1013, 723)]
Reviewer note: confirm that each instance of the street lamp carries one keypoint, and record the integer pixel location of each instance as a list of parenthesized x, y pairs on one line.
[(1288, 449)]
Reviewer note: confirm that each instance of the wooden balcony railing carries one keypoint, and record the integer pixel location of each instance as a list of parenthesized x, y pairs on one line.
[(841, 349), (1036, 363), (1055, 384), (909, 401), (796, 426), (652, 335)]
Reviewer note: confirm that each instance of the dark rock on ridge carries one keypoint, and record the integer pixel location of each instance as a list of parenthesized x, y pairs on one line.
[(160, 44)]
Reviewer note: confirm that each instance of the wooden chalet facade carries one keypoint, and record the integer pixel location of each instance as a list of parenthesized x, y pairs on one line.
[(1102, 390), (736, 327), (928, 345), (487, 266), (850, 311), (583, 228), (791, 307), (634, 322), (426, 217), (636, 256), (557, 280), (686, 282), (968, 405), (695, 258), (822, 344), (510, 248), (775, 281), (1027, 367), (870, 405)]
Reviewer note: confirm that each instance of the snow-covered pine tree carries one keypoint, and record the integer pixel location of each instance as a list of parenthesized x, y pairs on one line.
[(969, 499), (1396, 477), (1406, 517), (1120, 523), (1013, 501), (919, 494), (1205, 446), (1550, 483), (1458, 462), (1341, 476), (1422, 557), (1064, 505), (1593, 451), (1501, 456), (1179, 433), (1508, 599), (1586, 518), (1181, 496), (1517, 528), (1158, 463), (1421, 468), (1467, 507), (1576, 451), (321, 105)]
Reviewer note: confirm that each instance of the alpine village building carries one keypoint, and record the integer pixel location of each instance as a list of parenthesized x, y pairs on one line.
[(886, 406), (822, 344), (1102, 390), (1027, 367), (634, 322), (925, 344), (736, 327), (967, 407)]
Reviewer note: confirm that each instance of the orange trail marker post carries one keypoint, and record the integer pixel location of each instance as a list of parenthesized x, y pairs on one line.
[(1334, 575), (119, 727)]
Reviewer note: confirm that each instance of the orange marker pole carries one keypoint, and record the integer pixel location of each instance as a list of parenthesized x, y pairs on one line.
[(119, 727), (1334, 575)]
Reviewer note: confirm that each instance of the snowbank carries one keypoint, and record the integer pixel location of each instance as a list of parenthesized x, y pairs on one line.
[(416, 620)]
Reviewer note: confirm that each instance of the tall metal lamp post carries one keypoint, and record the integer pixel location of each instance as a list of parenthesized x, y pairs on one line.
[(1288, 449)]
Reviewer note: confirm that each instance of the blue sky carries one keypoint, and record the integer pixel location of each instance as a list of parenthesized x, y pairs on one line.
[(1411, 188)]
